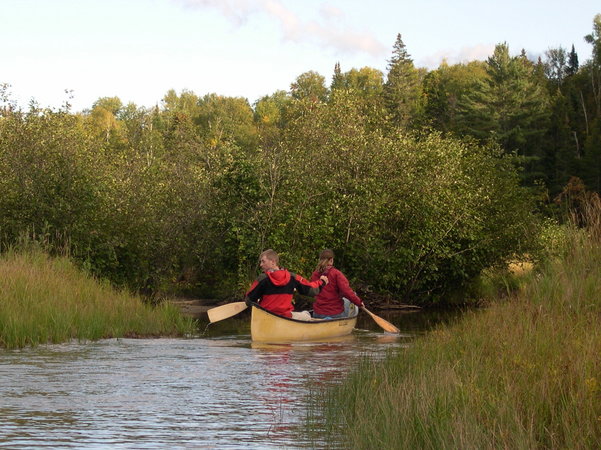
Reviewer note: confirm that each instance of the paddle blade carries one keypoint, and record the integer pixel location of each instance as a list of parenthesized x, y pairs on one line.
[(223, 312), (384, 324)]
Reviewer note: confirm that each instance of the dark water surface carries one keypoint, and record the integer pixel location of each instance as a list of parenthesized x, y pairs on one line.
[(214, 391)]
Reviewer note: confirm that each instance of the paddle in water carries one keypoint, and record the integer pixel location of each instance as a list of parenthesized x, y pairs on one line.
[(384, 324)]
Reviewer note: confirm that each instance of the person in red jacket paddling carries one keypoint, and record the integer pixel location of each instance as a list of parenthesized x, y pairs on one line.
[(335, 299), (273, 289)]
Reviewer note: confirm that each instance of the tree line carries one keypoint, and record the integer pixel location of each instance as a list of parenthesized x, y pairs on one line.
[(417, 179)]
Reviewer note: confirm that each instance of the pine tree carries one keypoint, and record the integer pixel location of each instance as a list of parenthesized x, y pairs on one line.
[(509, 106)]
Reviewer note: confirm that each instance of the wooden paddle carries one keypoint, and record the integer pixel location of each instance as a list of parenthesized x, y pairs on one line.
[(224, 311), (384, 324)]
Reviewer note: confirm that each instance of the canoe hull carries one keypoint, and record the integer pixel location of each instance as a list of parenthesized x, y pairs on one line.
[(271, 328)]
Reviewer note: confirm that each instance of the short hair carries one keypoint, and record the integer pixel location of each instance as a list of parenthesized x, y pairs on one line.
[(271, 255)]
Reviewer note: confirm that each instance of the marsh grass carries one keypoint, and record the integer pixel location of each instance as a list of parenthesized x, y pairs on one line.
[(49, 300), (524, 373)]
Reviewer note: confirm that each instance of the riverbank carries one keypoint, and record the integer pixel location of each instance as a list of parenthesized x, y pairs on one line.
[(49, 300), (522, 373), (190, 307)]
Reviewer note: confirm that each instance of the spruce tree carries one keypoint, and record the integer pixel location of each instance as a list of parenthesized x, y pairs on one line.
[(572, 62), (402, 90)]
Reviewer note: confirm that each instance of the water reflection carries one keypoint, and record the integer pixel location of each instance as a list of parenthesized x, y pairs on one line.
[(216, 391)]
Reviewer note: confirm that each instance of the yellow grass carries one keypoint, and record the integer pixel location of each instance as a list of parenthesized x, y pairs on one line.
[(44, 299)]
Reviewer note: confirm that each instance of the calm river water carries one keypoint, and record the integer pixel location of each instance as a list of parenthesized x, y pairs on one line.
[(215, 391)]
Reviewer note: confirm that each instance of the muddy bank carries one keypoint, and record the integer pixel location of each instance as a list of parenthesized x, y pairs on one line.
[(195, 307)]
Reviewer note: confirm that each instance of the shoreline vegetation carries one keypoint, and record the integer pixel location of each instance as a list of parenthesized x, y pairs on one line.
[(49, 300), (525, 372)]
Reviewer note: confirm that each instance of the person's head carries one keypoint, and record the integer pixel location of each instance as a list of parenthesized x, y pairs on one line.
[(326, 260), (269, 260)]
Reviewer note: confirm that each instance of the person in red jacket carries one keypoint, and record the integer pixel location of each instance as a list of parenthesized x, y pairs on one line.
[(273, 289), (334, 299)]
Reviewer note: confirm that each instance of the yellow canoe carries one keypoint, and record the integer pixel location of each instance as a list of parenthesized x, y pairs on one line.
[(268, 327)]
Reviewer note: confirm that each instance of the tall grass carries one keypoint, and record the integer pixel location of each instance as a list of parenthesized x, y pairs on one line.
[(49, 300), (524, 373)]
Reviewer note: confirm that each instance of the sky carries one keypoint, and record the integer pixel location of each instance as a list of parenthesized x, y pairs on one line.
[(77, 51)]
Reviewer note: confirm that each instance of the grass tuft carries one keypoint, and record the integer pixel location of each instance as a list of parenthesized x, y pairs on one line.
[(49, 300)]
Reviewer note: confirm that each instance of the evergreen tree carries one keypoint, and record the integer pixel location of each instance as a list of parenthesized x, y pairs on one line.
[(402, 90), (509, 106), (337, 78), (572, 62)]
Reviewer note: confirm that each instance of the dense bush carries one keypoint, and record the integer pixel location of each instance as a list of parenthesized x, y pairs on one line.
[(184, 196), (149, 200), (406, 213)]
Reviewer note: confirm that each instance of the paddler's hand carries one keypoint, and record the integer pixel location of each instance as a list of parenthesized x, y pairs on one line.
[(324, 279)]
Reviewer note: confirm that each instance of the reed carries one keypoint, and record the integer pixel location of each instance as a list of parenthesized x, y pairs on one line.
[(49, 300), (523, 373)]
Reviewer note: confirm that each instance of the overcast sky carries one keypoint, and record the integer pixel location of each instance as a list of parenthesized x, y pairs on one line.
[(139, 49)]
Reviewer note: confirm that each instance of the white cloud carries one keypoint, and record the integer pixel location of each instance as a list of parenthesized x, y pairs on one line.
[(328, 31), (237, 11), (466, 54), (331, 12)]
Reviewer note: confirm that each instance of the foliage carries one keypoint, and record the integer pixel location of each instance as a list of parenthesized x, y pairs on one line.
[(309, 85)]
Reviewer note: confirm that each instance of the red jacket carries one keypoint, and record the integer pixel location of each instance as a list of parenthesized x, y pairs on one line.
[(329, 300), (275, 290)]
